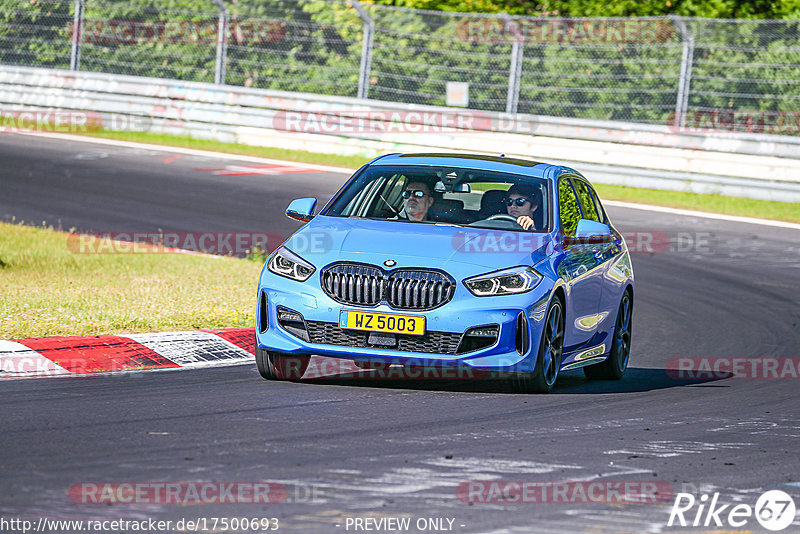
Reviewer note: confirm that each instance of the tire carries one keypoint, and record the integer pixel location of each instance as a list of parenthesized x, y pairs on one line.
[(614, 366), (277, 366), (548, 359)]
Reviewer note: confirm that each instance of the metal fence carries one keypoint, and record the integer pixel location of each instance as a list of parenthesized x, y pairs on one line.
[(665, 70)]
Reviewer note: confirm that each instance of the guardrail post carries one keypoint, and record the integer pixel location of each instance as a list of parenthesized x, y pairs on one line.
[(685, 80), (222, 42), (77, 30), (515, 69), (366, 50)]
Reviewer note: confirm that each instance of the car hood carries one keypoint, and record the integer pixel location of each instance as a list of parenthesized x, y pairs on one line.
[(328, 239)]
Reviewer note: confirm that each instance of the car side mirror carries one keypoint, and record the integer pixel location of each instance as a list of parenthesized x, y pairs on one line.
[(587, 228), (301, 209)]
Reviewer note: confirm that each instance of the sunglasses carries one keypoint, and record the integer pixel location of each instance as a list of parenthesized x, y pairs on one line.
[(518, 201), (417, 193)]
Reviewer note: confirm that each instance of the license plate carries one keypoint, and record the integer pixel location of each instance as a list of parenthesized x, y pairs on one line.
[(382, 322)]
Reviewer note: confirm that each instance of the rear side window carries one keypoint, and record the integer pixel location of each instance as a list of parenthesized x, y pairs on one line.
[(587, 201), (598, 205), (568, 208)]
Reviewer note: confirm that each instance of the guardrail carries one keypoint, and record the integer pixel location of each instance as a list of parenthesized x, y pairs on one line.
[(738, 164)]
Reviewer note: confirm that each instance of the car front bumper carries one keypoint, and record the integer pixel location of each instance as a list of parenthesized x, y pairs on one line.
[(520, 319)]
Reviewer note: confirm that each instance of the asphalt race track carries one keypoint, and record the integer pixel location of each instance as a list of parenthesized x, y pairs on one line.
[(384, 448)]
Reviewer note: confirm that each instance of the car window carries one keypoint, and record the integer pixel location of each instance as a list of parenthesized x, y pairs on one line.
[(568, 208), (598, 205), (479, 199), (587, 200)]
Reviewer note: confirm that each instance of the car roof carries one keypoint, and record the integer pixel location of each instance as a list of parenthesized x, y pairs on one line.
[(471, 161)]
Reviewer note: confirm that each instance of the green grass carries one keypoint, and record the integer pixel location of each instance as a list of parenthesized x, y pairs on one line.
[(782, 211), (48, 290), (746, 207)]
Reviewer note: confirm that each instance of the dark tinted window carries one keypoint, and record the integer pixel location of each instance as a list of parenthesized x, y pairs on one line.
[(587, 201), (598, 205), (568, 208)]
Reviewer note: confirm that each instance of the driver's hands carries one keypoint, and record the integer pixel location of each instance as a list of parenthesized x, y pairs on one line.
[(525, 222)]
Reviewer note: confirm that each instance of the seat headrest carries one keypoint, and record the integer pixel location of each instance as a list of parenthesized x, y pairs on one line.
[(446, 210), (492, 202)]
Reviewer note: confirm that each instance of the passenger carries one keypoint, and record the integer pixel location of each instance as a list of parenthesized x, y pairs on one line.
[(521, 202)]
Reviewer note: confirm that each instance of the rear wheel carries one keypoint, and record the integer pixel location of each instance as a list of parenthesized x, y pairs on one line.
[(278, 366), (548, 361), (614, 366)]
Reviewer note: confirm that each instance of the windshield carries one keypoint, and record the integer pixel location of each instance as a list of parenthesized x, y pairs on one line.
[(429, 195)]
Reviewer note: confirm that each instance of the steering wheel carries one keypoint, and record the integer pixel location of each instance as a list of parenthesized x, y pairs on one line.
[(502, 217)]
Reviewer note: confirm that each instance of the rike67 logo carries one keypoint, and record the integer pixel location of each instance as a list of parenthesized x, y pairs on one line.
[(774, 510)]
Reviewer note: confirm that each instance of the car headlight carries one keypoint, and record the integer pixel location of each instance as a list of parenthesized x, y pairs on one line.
[(286, 263), (506, 282)]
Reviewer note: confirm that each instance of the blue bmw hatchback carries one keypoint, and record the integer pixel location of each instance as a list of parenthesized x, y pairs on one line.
[(480, 262)]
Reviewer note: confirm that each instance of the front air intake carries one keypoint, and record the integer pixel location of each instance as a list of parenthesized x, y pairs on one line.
[(263, 312), (293, 322), (521, 338)]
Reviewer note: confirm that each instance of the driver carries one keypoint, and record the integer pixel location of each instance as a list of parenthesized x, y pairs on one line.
[(417, 200), (521, 202)]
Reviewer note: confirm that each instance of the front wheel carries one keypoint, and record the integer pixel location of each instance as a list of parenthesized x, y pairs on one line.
[(278, 366), (548, 361), (614, 366)]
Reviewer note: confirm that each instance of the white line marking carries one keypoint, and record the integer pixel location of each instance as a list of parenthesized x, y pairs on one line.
[(189, 151), (704, 214), (341, 170)]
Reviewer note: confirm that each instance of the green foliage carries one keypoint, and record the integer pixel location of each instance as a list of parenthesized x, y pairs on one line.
[(315, 46), (568, 208), (763, 9), (35, 32)]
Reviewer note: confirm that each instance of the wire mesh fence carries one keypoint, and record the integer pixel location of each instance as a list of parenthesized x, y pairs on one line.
[(660, 70), (149, 40), (36, 33), (310, 47)]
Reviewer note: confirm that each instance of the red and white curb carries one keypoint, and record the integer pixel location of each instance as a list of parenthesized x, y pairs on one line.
[(65, 356)]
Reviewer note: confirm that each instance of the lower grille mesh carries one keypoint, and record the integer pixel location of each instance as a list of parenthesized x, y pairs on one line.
[(432, 342)]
